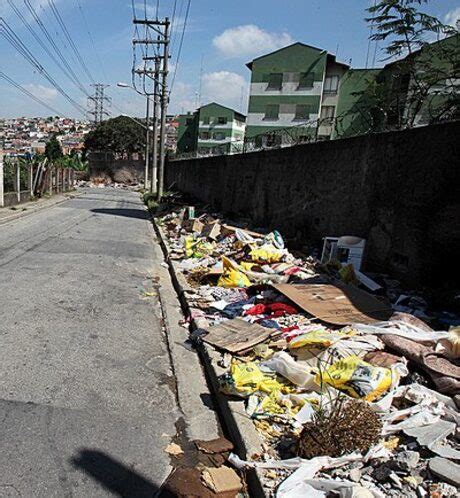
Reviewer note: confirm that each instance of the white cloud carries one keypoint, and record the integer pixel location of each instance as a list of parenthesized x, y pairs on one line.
[(226, 88), (42, 92), (452, 17), (249, 40), (183, 98)]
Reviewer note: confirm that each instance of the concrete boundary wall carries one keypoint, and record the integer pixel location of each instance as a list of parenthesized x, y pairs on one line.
[(398, 190)]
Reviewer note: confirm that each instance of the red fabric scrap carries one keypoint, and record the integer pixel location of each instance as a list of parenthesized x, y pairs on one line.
[(275, 309)]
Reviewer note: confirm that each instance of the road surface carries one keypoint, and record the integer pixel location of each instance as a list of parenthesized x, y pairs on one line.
[(87, 397)]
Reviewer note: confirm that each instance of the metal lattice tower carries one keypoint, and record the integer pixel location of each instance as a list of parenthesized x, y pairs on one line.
[(98, 102)]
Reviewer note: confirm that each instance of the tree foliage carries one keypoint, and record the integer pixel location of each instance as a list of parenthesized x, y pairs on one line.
[(53, 150), (422, 84), (119, 135)]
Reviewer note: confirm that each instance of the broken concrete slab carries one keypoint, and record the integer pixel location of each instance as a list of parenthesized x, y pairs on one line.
[(428, 435), (446, 470)]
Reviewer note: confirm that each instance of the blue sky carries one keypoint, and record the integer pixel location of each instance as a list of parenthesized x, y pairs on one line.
[(221, 37)]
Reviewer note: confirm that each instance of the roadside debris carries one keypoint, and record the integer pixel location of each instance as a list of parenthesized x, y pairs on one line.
[(324, 368), (174, 449)]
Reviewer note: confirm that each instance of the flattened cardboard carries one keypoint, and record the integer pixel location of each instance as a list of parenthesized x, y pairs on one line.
[(194, 225), (236, 335), (338, 304), (211, 230)]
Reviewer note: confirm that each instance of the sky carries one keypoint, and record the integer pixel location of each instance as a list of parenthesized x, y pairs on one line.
[(220, 38)]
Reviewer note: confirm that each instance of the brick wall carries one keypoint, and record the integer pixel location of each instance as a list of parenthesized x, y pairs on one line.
[(398, 190)]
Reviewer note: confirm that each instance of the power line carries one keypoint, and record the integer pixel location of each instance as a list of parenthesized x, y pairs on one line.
[(96, 51), (51, 41), (71, 77), (11, 37), (180, 45), (74, 48), (29, 94)]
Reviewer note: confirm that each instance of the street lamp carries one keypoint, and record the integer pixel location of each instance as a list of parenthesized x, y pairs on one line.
[(120, 84)]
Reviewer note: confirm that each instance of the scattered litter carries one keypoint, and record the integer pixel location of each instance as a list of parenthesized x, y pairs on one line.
[(236, 335), (174, 449), (219, 445), (221, 479), (328, 360)]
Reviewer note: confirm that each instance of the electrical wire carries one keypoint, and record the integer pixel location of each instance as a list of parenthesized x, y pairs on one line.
[(180, 46), (74, 48), (29, 94), (51, 41), (96, 51), (76, 82), (8, 33)]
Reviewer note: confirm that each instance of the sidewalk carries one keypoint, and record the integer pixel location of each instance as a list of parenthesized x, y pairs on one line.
[(20, 210)]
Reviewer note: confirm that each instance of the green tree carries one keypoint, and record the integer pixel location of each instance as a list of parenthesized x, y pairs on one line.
[(421, 85), (53, 150), (119, 135)]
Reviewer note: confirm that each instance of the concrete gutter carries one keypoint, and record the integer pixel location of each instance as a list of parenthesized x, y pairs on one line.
[(27, 208), (238, 426)]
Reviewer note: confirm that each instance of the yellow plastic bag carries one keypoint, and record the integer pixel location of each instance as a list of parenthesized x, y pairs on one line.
[(357, 378), (245, 379), (197, 248), (266, 254), (232, 275), (320, 338)]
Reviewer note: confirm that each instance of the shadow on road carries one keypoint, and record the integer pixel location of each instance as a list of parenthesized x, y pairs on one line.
[(128, 213), (115, 476)]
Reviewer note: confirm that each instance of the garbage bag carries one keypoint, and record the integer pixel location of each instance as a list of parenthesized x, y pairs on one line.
[(197, 248), (244, 379), (285, 365), (359, 379), (232, 275), (315, 336), (267, 253)]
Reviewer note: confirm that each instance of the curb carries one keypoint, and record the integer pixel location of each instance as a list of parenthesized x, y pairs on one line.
[(233, 417), (36, 208)]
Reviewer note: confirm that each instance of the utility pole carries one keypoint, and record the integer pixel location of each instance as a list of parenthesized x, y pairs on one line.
[(164, 110), (161, 44), (147, 148), (96, 103), (156, 108)]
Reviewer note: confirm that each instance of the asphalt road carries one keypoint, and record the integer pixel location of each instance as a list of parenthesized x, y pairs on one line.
[(87, 397)]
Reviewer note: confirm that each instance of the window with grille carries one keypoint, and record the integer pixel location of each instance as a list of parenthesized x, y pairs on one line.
[(331, 84), (272, 111), (219, 136), (302, 111), (327, 114), (306, 80), (204, 135), (206, 120), (275, 81), (221, 121)]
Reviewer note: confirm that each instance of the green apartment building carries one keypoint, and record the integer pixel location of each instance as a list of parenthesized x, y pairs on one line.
[(292, 88), (211, 129), (301, 92)]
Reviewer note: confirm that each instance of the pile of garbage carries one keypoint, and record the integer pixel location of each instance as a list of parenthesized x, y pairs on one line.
[(103, 182), (351, 397)]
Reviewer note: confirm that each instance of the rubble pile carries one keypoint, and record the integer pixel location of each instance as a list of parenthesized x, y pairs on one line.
[(325, 369), (103, 182)]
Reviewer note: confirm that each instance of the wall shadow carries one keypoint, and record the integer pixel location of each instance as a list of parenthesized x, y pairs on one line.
[(115, 476), (139, 214)]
